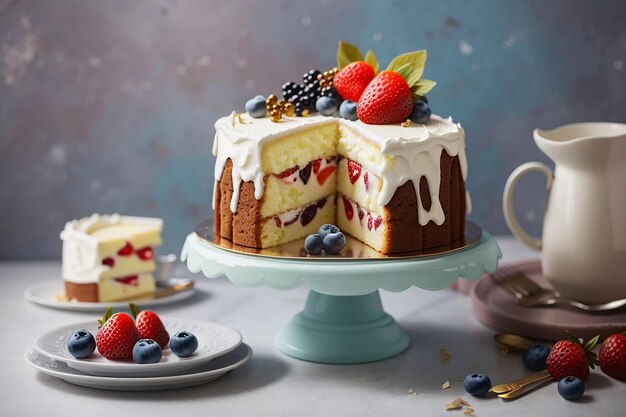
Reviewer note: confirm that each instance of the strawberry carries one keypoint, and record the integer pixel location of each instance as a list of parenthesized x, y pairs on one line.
[(150, 326), (354, 170), (571, 358), (127, 250), (116, 336), (378, 222), (387, 99), (325, 173), (613, 356), (288, 172), (347, 206), (352, 80)]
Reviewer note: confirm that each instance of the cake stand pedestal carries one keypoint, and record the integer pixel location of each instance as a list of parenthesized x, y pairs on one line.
[(343, 320)]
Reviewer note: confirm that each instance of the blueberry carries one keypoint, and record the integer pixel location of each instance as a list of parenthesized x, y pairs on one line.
[(81, 344), (571, 388), (313, 244), (256, 107), (421, 112), (326, 229), (147, 351), (477, 384), (183, 344), (347, 110), (326, 106), (424, 99), (535, 357), (334, 243)]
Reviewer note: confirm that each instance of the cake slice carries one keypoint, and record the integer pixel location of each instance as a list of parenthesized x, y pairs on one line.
[(110, 257)]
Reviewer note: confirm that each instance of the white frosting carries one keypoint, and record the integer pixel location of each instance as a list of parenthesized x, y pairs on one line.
[(82, 257), (409, 153)]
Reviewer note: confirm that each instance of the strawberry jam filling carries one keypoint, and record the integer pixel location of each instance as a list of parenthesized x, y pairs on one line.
[(320, 169), (132, 280), (367, 219), (304, 215)]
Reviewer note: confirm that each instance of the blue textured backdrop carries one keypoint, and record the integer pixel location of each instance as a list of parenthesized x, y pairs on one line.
[(108, 106)]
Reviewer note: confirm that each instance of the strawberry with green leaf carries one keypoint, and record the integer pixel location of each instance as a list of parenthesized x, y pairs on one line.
[(572, 358), (390, 96), (116, 336), (150, 326), (355, 73)]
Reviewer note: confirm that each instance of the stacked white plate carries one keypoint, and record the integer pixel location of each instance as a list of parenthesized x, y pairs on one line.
[(220, 350)]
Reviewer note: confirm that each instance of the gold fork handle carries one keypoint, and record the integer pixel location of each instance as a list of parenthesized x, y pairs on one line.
[(522, 382), (531, 386)]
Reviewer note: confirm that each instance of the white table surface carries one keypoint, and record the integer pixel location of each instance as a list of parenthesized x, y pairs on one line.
[(272, 384)]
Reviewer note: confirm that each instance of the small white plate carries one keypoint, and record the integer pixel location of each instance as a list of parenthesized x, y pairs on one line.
[(213, 340), (205, 373), (46, 293)]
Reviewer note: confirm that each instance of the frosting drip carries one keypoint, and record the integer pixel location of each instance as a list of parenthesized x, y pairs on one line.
[(408, 153)]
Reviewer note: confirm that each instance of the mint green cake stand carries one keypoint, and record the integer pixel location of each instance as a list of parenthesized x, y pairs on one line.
[(343, 320)]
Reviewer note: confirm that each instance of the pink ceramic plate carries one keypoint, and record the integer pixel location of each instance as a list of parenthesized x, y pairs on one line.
[(496, 308)]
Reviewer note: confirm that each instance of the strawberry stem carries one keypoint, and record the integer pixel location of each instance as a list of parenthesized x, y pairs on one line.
[(107, 315), (134, 309)]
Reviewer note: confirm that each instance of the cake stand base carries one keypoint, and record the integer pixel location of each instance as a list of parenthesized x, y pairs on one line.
[(342, 330)]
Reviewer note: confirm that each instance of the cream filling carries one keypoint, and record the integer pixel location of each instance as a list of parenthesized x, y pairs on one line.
[(297, 223), (358, 221)]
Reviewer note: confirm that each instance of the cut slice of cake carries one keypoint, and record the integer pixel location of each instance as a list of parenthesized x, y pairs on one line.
[(110, 257)]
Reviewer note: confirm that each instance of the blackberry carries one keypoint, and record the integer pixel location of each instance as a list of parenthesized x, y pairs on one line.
[(332, 93), (310, 76), (290, 89)]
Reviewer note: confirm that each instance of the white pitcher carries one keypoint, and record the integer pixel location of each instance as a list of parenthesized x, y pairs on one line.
[(584, 227)]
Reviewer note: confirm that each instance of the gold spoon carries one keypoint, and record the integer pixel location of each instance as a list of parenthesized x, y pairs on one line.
[(513, 342)]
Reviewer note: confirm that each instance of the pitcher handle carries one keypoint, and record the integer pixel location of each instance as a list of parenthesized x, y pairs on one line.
[(507, 200)]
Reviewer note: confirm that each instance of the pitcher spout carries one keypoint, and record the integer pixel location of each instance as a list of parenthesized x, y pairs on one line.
[(584, 144)]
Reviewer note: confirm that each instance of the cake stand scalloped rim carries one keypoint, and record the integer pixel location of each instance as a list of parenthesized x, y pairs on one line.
[(343, 278)]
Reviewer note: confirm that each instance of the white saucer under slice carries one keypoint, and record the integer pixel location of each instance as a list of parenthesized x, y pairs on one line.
[(205, 373), (47, 293), (213, 340)]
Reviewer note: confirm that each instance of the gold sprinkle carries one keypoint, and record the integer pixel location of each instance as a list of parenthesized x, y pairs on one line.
[(326, 78), (446, 385), (290, 109), (468, 411), (305, 113), (406, 123), (412, 391)]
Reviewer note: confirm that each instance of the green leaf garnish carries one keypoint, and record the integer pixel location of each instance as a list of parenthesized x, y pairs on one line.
[(421, 88), (417, 59), (405, 71), (370, 58), (347, 54)]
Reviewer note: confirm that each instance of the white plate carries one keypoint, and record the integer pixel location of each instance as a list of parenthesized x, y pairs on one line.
[(200, 375), (45, 294), (213, 340)]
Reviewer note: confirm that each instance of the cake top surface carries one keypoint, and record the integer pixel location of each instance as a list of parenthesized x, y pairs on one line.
[(236, 127), (108, 227)]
